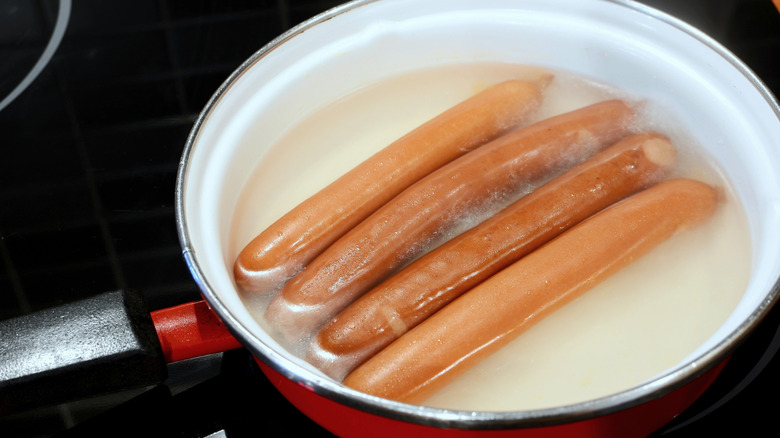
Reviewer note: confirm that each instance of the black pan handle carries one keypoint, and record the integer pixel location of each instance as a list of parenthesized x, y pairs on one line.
[(99, 345)]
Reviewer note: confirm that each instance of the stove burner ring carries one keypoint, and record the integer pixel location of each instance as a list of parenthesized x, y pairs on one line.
[(761, 364), (63, 15)]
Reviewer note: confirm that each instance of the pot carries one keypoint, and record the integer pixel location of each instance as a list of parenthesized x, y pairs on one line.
[(620, 43)]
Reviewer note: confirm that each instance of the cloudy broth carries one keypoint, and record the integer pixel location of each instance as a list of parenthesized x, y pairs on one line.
[(638, 323)]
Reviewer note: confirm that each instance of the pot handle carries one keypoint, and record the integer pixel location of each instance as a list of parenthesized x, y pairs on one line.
[(103, 344), (191, 330)]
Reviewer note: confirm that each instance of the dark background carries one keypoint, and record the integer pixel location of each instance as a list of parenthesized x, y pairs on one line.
[(89, 157)]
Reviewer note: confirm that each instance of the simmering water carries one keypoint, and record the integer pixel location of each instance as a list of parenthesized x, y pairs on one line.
[(640, 322)]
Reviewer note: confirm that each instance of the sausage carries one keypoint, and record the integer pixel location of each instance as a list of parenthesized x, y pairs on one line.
[(281, 250), (401, 229), (489, 316), (430, 282)]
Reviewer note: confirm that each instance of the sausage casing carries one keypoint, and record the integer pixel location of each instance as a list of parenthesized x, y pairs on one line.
[(438, 277), (404, 228), (499, 309), (282, 249)]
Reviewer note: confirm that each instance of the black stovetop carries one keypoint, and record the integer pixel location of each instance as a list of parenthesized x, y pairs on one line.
[(90, 151)]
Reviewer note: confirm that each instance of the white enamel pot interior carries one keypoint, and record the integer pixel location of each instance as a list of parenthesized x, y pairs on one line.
[(629, 46)]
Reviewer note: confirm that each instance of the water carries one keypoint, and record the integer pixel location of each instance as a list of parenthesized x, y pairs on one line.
[(637, 324)]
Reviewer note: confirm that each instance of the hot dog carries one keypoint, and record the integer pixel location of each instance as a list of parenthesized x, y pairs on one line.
[(400, 230), (499, 309), (429, 283), (281, 250)]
